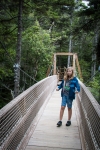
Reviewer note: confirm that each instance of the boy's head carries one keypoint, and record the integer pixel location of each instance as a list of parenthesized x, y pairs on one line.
[(69, 73)]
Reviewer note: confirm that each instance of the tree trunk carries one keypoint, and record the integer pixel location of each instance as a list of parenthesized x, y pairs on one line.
[(70, 39), (70, 49), (18, 51)]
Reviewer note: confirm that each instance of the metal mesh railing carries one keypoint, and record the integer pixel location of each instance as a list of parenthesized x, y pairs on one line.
[(17, 116), (89, 119)]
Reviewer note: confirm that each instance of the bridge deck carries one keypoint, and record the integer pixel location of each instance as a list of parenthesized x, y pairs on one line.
[(45, 135)]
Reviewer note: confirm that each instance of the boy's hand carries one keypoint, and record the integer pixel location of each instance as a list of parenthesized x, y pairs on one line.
[(57, 89)]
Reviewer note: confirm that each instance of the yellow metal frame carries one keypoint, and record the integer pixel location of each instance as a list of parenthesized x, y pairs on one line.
[(75, 60)]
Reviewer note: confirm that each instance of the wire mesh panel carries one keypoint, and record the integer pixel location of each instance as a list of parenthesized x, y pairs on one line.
[(17, 116), (89, 119)]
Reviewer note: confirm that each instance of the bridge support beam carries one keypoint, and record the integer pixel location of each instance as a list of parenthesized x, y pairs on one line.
[(54, 64), (75, 62)]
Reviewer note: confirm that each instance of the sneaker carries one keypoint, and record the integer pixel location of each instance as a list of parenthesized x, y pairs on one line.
[(59, 123), (68, 123)]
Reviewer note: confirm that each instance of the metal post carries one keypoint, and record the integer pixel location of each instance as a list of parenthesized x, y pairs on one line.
[(74, 57), (54, 64)]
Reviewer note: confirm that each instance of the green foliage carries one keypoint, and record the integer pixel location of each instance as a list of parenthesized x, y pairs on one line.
[(37, 49), (95, 87), (46, 29), (86, 69), (5, 63)]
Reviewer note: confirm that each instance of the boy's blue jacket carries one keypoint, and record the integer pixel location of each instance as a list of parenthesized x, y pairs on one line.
[(74, 85)]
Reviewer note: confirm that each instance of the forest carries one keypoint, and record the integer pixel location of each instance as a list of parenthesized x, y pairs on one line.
[(32, 30)]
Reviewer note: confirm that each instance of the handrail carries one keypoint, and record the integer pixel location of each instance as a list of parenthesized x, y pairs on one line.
[(89, 119), (17, 116)]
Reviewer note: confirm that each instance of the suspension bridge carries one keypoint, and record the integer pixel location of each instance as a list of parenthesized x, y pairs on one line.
[(29, 121)]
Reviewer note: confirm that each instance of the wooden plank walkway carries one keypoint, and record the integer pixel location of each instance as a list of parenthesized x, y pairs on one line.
[(46, 135)]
